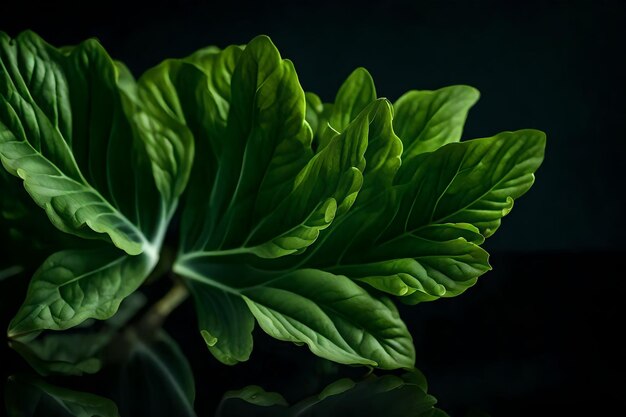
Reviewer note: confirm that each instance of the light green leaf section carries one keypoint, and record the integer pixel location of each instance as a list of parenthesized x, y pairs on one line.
[(474, 181), (32, 397), (426, 120), (74, 285), (420, 238), (334, 316), (439, 262)]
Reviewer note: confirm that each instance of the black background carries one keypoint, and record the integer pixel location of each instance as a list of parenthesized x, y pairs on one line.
[(538, 333)]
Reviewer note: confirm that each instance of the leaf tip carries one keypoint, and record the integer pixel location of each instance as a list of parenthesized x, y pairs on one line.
[(13, 332), (363, 73), (262, 40), (509, 206), (209, 339), (472, 93)]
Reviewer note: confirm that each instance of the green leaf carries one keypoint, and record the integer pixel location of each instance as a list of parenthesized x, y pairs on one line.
[(81, 351), (426, 120), (32, 397), (335, 317), (354, 95), (478, 181), (72, 128), (74, 285), (314, 110), (65, 134), (225, 322), (419, 238)]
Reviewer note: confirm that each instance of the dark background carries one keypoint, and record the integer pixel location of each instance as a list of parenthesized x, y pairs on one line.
[(538, 333)]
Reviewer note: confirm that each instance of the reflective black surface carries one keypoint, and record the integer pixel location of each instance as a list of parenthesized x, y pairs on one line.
[(536, 336)]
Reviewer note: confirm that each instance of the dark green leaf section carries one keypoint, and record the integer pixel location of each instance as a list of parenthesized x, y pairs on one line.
[(373, 396), (225, 322), (155, 379), (355, 94), (31, 397), (317, 116), (269, 195), (65, 354), (81, 351), (26, 226)]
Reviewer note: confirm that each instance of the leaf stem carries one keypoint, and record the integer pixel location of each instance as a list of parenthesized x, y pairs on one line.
[(153, 319)]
